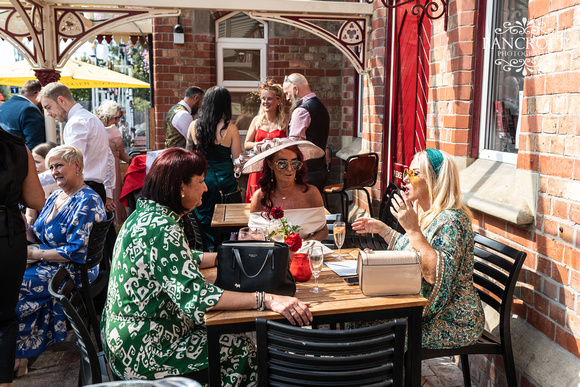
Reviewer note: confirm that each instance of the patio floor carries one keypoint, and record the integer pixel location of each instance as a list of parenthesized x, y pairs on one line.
[(59, 366)]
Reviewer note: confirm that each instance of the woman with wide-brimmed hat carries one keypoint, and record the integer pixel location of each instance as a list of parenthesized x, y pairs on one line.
[(283, 185)]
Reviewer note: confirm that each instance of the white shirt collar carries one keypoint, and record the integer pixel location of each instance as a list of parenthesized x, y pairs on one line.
[(74, 109), (182, 103)]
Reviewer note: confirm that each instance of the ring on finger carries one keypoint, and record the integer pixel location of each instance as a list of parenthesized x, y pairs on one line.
[(292, 313)]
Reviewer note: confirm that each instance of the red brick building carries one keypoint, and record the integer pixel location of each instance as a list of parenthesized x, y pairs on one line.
[(513, 127)]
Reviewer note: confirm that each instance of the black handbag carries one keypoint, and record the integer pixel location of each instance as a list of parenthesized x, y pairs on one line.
[(231, 197), (249, 266)]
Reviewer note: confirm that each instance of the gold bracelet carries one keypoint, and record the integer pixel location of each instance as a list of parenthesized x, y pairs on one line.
[(417, 254)]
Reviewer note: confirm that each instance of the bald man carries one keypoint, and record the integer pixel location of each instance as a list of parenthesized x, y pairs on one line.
[(309, 121)]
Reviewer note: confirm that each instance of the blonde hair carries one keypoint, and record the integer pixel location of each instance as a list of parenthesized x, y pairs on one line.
[(444, 189), (68, 153), (277, 90), (108, 110)]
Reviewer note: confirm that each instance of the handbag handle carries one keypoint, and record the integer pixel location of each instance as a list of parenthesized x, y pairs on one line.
[(241, 265)]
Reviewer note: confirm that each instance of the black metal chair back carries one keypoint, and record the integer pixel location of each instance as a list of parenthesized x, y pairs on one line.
[(93, 367), (293, 356), (496, 270), (194, 233), (360, 173), (95, 249)]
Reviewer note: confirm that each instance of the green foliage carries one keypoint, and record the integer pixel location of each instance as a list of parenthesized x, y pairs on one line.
[(140, 104), (81, 94), (5, 91)]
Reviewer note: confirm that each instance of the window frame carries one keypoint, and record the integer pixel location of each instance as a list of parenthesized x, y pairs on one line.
[(260, 44), (481, 124)]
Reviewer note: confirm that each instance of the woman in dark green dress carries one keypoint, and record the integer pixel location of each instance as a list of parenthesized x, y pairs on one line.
[(219, 141)]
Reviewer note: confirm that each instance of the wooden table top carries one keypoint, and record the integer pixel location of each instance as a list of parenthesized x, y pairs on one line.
[(335, 296), (231, 215)]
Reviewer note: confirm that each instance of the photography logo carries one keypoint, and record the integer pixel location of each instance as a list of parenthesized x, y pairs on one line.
[(521, 46)]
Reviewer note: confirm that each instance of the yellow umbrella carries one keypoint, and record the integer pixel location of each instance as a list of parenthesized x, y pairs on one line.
[(74, 74)]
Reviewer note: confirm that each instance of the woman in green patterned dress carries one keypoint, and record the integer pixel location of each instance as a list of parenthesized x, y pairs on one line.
[(153, 321), (438, 226)]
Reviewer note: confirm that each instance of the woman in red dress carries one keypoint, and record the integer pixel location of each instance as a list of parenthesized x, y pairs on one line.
[(270, 123)]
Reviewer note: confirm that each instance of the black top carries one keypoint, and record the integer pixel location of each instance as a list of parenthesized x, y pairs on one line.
[(318, 130), (13, 171)]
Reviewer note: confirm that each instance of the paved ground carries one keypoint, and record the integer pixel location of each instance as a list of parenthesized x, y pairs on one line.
[(59, 367)]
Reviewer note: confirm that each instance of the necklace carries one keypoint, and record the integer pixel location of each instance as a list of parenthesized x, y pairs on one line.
[(58, 207)]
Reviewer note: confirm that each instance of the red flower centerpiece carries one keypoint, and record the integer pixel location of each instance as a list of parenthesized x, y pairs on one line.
[(285, 231)]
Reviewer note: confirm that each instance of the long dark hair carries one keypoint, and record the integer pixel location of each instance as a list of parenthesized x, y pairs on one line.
[(169, 170), (268, 182), (216, 104)]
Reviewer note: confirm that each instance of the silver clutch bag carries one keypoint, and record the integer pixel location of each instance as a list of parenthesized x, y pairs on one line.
[(389, 272)]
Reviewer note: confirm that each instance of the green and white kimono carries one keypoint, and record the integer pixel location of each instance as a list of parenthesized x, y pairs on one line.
[(453, 317), (153, 321)]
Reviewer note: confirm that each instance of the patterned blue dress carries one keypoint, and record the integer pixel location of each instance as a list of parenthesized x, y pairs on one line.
[(41, 320)]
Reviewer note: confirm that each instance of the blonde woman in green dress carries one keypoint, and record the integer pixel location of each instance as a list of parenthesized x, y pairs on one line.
[(438, 227), (153, 321)]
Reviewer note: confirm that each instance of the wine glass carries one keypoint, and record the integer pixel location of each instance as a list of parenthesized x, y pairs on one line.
[(252, 233), (339, 231), (316, 260)]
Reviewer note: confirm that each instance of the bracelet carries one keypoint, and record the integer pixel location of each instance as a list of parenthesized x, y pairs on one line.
[(388, 230), (417, 254), (257, 300), (42, 255), (262, 301)]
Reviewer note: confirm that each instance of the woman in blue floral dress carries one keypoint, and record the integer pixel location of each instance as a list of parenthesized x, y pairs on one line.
[(153, 323), (438, 226), (62, 231)]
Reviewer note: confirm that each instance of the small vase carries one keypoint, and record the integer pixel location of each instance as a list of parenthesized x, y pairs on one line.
[(300, 267)]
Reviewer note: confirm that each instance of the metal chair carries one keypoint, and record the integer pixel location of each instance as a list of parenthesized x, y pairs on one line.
[(95, 248), (360, 173), (93, 366), (496, 271), (193, 232), (293, 356)]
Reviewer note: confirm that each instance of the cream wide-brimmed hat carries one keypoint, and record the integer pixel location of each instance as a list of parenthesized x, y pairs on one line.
[(308, 149)]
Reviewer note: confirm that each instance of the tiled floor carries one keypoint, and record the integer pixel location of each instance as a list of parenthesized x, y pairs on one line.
[(59, 366)]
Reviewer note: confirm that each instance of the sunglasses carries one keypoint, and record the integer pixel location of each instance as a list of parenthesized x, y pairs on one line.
[(288, 80), (118, 117), (413, 175), (283, 164)]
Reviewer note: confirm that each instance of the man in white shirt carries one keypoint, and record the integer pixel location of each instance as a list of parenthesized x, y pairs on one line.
[(86, 132), (180, 116)]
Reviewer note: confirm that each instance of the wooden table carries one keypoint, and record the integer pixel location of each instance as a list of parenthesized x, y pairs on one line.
[(231, 215), (336, 303)]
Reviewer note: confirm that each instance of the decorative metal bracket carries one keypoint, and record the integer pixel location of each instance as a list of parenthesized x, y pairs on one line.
[(430, 9), (56, 32), (351, 38)]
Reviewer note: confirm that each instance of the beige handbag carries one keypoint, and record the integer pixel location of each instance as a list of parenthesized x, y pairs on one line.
[(389, 272)]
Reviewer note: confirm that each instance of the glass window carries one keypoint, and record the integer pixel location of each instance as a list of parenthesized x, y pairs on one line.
[(241, 52), (505, 67), (240, 26), (241, 64)]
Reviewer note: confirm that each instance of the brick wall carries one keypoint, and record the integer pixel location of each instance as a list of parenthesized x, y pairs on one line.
[(374, 86), (549, 288), (290, 50), (451, 80), (293, 50), (552, 148), (179, 66)]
